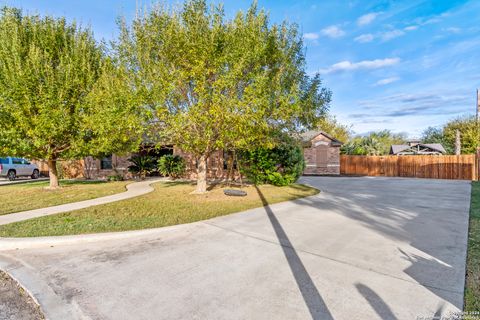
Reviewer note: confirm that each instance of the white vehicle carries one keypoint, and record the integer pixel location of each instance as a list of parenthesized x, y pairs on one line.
[(15, 167)]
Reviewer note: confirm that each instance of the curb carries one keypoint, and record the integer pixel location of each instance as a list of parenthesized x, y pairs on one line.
[(7, 244), (53, 307)]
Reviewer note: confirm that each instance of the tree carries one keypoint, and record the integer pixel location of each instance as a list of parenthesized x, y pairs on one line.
[(469, 128), (60, 96), (333, 127), (213, 83), (432, 135), (375, 144)]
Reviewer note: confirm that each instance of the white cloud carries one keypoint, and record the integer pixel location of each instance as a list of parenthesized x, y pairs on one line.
[(368, 37), (410, 28), (333, 32), (310, 36), (362, 65), (366, 19), (453, 30), (389, 35), (385, 81)]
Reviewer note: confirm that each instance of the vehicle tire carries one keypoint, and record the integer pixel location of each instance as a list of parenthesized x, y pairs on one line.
[(11, 175), (35, 174)]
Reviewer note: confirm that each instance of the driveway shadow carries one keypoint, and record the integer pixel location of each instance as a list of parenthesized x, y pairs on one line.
[(316, 305), (377, 303), (425, 214)]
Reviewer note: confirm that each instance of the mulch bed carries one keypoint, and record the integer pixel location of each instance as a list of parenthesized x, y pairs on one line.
[(15, 303)]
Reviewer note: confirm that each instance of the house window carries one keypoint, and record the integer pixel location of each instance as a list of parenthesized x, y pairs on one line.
[(106, 163)]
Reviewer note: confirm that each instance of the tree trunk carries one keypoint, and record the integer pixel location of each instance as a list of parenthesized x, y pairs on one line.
[(201, 175), (53, 174)]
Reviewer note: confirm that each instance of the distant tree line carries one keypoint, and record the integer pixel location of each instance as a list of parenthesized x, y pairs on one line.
[(469, 128), (374, 144)]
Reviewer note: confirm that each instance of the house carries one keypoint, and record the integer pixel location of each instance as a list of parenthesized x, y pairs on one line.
[(417, 148), (321, 152)]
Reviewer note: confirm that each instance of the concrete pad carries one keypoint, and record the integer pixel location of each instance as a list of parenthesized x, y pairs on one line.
[(362, 249)]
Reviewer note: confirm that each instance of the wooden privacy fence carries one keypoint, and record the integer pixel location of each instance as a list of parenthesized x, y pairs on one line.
[(463, 167)]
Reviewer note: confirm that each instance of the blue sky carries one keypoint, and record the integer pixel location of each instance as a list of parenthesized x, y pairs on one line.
[(398, 65)]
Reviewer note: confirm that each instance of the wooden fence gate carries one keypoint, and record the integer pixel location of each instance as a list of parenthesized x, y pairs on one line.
[(463, 167)]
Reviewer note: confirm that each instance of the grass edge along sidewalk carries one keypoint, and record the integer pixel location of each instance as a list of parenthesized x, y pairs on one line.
[(169, 204), (472, 281)]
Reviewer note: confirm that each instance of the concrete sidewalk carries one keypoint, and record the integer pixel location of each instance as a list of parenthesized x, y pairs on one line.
[(364, 248), (133, 190), (6, 182)]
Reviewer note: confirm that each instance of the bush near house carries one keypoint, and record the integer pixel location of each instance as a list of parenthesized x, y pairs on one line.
[(171, 166), (141, 165), (279, 166)]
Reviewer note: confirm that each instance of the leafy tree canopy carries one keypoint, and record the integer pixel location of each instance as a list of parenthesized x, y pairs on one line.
[(333, 127), (215, 83), (60, 96), (469, 128)]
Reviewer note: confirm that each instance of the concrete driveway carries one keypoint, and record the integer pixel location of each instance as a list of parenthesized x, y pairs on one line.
[(365, 248)]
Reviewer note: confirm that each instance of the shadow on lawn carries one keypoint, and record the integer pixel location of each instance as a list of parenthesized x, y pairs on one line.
[(316, 306)]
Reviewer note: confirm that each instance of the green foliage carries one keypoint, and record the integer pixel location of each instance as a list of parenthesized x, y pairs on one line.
[(472, 281), (60, 96), (142, 165), (375, 144), (115, 177), (435, 135), (279, 166), (330, 125), (469, 129), (219, 84), (171, 166), (469, 134)]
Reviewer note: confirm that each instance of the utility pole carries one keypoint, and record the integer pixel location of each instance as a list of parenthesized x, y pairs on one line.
[(458, 144), (478, 104)]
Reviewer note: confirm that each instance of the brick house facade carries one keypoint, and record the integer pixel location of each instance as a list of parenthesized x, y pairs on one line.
[(321, 152)]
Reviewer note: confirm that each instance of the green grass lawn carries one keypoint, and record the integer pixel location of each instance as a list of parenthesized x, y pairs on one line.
[(171, 203), (472, 288), (34, 195)]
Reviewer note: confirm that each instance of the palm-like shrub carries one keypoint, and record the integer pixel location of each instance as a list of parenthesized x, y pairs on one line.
[(171, 166), (141, 165)]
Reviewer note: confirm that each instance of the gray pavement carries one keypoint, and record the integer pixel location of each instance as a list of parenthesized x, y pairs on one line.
[(364, 248), (134, 189)]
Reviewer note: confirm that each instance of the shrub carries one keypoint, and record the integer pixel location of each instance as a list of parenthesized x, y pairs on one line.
[(116, 177), (142, 165), (171, 166), (279, 166)]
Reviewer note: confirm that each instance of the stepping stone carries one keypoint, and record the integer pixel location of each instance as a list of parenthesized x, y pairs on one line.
[(234, 193)]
